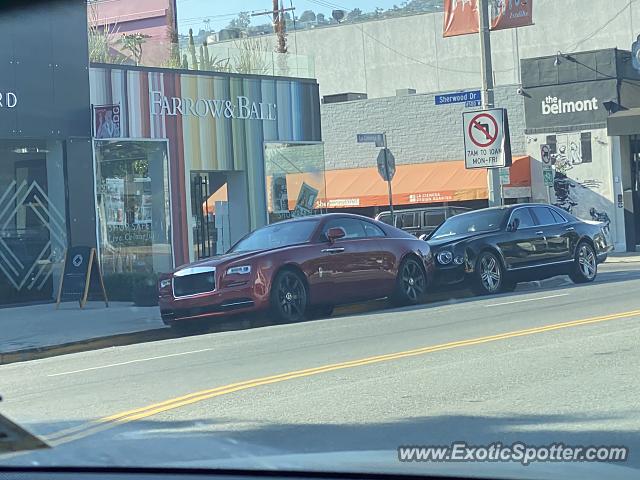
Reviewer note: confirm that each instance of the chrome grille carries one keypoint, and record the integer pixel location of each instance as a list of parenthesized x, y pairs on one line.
[(194, 280)]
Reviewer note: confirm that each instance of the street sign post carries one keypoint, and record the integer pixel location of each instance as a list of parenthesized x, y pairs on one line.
[(486, 139), (386, 164), (386, 161), (387, 169), (377, 138), (470, 98), (547, 176)]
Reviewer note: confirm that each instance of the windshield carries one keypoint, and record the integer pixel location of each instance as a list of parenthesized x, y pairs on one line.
[(277, 235), (485, 221), (192, 275)]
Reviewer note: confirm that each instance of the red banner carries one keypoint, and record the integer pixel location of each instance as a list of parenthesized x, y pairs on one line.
[(461, 16)]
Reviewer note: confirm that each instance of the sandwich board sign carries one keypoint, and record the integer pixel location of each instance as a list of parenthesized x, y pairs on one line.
[(486, 139), (81, 277)]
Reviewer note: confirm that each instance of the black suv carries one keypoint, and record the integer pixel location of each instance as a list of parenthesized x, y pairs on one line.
[(421, 221)]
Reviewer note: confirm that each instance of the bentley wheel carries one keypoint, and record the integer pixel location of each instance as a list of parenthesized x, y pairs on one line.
[(411, 283), (489, 275), (288, 297), (585, 267)]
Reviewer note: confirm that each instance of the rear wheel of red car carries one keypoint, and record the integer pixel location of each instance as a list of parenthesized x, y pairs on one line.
[(411, 283), (288, 297)]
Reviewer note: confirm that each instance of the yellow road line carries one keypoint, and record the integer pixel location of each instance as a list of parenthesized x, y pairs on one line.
[(84, 430)]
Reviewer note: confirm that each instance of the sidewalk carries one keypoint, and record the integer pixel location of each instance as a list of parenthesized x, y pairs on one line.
[(623, 257), (35, 329)]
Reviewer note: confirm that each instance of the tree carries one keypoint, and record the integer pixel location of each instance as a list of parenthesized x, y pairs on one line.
[(354, 15), (308, 16), (192, 51), (174, 44), (242, 21), (133, 43), (320, 18)]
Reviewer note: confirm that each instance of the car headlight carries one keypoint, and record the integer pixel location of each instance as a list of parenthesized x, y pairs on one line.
[(165, 283), (241, 270), (459, 260), (445, 257)]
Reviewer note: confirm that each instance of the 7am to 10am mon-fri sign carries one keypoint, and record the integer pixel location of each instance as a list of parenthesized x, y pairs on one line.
[(486, 139)]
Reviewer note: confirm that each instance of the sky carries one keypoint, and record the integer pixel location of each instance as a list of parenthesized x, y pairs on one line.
[(192, 13)]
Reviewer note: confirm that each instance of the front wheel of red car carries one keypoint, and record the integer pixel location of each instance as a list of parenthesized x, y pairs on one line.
[(288, 297), (411, 283)]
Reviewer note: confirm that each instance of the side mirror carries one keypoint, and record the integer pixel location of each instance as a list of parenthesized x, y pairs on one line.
[(335, 233), (513, 226)]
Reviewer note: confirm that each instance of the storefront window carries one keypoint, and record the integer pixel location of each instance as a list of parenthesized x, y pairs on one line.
[(295, 176), (132, 186), (33, 227)]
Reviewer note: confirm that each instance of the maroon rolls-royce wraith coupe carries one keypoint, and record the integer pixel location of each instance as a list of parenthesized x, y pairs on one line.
[(301, 268)]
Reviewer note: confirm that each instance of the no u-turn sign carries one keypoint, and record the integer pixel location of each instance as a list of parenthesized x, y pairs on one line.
[(486, 139)]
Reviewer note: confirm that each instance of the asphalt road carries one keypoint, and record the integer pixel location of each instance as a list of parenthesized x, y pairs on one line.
[(551, 362)]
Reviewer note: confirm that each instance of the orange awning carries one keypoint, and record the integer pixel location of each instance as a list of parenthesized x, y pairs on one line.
[(219, 195), (412, 184), (415, 183)]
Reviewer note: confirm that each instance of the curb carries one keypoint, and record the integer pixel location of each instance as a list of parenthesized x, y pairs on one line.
[(118, 340), (622, 260)]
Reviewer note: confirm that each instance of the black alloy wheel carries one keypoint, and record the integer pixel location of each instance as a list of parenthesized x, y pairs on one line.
[(289, 297), (489, 275), (585, 267), (411, 283)]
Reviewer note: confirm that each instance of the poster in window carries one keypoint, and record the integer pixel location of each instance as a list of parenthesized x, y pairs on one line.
[(106, 121), (306, 200), (114, 201), (279, 194)]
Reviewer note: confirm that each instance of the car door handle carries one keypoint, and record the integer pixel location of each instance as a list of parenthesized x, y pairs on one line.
[(333, 250), (539, 232), (571, 229)]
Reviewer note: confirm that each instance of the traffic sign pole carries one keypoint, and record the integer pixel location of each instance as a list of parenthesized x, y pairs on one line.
[(493, 174), (386, 171)]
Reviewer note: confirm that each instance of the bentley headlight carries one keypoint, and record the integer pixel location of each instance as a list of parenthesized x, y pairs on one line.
[(445, 257)]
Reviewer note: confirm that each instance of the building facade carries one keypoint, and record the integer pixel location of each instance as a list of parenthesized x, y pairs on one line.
[(568, 101), (46, 191), (196, 161), (378, 57), (425, 136)]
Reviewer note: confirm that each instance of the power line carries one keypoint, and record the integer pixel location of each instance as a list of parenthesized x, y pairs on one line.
[(598, 30), (400, 53)]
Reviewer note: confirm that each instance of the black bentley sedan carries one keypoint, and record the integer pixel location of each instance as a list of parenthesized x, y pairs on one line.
[(493, 249)]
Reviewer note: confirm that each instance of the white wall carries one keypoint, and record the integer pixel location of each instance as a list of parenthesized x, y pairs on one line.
[(591, 184), (379, 57)]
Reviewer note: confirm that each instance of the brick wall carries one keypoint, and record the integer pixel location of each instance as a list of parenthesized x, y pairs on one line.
[(417, 130)]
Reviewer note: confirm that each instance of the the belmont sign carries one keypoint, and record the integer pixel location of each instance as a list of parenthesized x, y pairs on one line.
[(242, 107), (8, 100)]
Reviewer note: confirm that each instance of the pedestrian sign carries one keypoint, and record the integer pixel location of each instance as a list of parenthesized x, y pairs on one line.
[(486, 139), (547, 175)]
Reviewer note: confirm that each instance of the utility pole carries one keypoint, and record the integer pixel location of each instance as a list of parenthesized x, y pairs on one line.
[(279, 29), (493, 174)]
